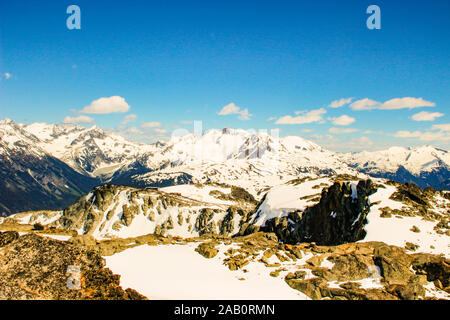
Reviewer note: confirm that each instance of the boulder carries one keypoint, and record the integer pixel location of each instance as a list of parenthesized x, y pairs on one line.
[(207, 249), (394, 264)]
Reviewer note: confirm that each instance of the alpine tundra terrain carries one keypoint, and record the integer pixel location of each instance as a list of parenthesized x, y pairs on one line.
[(335, 237), (225, 214)]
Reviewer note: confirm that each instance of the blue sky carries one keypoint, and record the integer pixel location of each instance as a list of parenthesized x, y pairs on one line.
[(272, 64)]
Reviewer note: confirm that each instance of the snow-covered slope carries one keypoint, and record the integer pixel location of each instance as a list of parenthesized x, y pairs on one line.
[(255, 160), (90, 151), (392, 217), (432, 232), (426, 166), (115, 211), (13, 139), (286, 198), (197, 277), (31, 178), (397, 213)]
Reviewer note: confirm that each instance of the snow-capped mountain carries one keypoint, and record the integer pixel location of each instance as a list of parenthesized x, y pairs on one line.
[(253, 160), (90, 151), (256, 161), (31, 178), (425, 166)]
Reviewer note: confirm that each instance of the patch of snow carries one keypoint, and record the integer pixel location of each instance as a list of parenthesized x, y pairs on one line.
[(396, 231), (177, 272)]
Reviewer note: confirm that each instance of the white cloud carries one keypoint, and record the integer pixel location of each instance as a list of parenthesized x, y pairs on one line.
[(364, 104), (244, 115), (407, 134), (79, 119), (373, 132), (151, 124), (342, 130), (430, 136), (114, 104), (423, 136), (231, 108), (307, 117), (339, 103), (322, 138), (343, 120), (137, 134), (7, 75), (442, 127), (406, 103), (426, 116), (393, 104), (134, 130), (129, 118), (161, 131), (364, 141)]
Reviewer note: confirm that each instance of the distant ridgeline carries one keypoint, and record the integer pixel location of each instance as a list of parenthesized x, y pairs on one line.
[(47, 166)]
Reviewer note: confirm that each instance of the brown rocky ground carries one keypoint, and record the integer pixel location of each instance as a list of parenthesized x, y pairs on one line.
[(36, 268), (401, 276), (41, 270)]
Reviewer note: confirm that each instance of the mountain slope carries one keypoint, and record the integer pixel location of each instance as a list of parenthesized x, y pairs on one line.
[(425, 166), (31, 178), (253, 160), (333, 210), (45, 166), (89, 151), (111, 211)]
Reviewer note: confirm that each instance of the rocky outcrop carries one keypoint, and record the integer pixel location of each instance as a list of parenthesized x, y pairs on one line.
[(339, 217), (401, 276), (207, 249), (37, 268), (87, 212), (436, 269), (205, 223), (227, 224), (411, 194), (109, 209)]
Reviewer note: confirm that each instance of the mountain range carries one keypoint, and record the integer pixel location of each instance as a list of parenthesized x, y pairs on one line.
[(49, 166)]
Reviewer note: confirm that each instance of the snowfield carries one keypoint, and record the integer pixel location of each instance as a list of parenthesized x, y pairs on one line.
[(177, 272), (415, 159), (397, 230)]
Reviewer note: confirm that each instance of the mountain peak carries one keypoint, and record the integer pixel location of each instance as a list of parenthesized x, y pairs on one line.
[(95, 128), (7, 121)]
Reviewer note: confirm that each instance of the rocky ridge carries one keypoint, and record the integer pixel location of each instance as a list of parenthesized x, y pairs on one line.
[(38, 268)]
